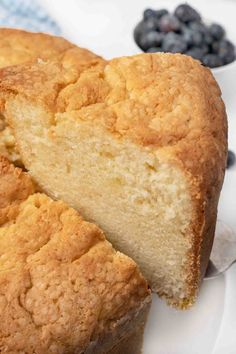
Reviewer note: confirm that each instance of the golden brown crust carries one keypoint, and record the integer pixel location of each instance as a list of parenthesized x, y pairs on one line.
[(155, 100), (15, 187), (62, 285), (19, 47), (167, 103)]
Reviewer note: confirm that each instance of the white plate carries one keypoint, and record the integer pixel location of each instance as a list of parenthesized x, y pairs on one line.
[(105, 26)]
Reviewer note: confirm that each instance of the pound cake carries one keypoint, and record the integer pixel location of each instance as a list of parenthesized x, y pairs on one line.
[(63, 288), (17, 47), (138, 146)]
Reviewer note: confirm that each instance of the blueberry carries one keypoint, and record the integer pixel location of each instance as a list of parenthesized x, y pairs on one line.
[(212, 60), (225, 45), (198, 27), (226, 51), (196, 53), (193, 38), (149, 13), (207, 37), (197, 39), (230, 159), (229, 58), (215, 47), (186, 13), (162, 12), (151, 23), (205, 48), (154, 50), (217, 31), (187, 34), (169, 23), (174, 43), (144, 27), (150, 39), (138, 31)]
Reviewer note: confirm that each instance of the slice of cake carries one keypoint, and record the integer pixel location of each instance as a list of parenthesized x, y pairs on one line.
[(138, 146), (17, 47), (63, 288)]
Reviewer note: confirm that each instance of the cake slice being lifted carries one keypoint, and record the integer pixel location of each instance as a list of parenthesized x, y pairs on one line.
[(18, 47), (138, 146), (63, 288)]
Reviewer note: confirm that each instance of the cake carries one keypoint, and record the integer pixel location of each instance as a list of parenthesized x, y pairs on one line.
[(63, 288), (18, 47), (137, 145)]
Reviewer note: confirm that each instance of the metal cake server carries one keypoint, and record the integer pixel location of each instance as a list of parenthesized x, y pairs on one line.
[(223, 253)]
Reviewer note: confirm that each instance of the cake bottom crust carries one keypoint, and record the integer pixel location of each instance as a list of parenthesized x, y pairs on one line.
[(127, 337)]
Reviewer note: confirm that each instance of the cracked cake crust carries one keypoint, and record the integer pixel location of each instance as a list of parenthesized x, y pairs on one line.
[(62, 285)]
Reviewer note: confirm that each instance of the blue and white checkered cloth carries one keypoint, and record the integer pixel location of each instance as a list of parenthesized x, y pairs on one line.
[(28, 15)]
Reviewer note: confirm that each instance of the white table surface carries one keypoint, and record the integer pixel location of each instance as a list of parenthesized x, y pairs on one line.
[(105, 26)]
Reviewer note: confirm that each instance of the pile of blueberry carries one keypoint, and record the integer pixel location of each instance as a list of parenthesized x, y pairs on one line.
[(184, 32)]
